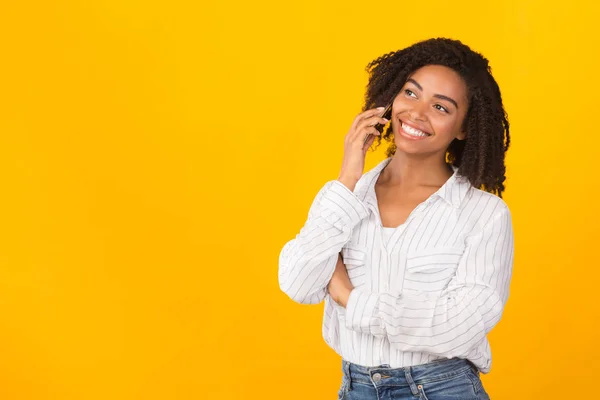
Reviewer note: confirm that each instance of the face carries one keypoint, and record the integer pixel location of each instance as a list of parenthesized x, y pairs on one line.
[(428, 112)]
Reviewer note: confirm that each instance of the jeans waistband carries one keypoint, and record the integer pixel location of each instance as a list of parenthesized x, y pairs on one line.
[(383, 375)]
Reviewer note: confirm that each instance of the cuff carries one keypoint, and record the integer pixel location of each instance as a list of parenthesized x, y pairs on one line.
[(362, 313), (343, 203)]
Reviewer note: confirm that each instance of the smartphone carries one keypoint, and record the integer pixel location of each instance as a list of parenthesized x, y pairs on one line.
[(387, 114)]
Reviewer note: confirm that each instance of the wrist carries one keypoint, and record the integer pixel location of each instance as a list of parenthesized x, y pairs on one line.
[(350, 183)]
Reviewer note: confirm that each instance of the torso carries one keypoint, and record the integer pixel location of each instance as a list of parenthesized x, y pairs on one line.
[(420, 257)]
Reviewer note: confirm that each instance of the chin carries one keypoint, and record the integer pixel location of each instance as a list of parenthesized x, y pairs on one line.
[(414, 149), (408, 147)]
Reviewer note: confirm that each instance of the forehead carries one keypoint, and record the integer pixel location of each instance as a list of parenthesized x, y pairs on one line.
[(438, 79)]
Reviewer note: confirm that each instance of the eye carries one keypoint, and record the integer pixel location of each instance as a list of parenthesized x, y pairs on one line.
[(441, 108), (410, 93)]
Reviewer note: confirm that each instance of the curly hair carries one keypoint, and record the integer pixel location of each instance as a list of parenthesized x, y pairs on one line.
[(480, 156)]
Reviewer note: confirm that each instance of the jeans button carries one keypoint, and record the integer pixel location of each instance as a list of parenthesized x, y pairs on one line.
[(377, 377)]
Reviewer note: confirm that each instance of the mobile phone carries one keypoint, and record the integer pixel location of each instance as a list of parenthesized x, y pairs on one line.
[(387, 114)]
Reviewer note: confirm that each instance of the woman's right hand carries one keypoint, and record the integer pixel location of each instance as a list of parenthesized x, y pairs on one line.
[(355, 147)]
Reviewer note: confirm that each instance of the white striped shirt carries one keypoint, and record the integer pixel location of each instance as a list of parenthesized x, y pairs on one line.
[(432, 290)]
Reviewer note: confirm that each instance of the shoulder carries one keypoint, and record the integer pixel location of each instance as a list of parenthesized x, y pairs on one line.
[(485, 207)]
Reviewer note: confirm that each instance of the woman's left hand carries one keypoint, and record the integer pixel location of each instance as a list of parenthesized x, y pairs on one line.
[(340, 286)]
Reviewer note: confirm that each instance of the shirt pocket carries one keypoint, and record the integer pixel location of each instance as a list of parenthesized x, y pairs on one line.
[(355, 260), (430, 270)]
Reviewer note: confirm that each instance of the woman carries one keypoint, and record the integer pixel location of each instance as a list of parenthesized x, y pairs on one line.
[(413, 258)]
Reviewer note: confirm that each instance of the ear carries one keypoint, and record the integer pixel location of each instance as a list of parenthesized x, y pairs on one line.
[(462, 135)]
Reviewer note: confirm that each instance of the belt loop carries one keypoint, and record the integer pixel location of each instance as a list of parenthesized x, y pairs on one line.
[(411, 382), (348, 376), (473, 367)]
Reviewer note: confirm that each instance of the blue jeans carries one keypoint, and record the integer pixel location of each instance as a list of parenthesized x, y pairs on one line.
[(448, 379)]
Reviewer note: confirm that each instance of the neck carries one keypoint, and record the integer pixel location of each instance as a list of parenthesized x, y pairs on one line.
[(406, 170)]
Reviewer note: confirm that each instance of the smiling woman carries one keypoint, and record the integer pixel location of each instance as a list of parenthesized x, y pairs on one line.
[(423, 113), (413, 258)]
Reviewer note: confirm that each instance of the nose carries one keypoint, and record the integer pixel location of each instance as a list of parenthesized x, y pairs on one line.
[(417, 112)]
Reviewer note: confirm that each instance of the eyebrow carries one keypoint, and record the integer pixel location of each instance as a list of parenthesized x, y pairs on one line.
[(439, 96)]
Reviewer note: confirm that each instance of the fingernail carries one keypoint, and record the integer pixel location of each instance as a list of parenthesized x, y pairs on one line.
[(386, 120), (381, 108)]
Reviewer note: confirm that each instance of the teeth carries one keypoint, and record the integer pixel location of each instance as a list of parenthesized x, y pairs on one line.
[(412, 131)]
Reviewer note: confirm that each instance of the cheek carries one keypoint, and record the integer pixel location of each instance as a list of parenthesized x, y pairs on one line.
[(400, 104), (446, 126)]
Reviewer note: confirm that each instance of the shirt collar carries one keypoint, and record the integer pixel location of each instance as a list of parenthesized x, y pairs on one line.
[(453, 191)]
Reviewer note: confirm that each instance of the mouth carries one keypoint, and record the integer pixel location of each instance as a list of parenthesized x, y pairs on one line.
[(412, 132)]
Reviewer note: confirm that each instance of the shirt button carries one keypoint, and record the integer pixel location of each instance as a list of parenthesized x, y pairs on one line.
[(377, 377)]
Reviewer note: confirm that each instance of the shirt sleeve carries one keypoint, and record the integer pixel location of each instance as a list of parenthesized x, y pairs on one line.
[(307, 262), (455, 320)]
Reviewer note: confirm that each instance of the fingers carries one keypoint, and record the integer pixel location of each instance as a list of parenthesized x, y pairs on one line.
[(364, 134), (372, 121), (370, 130), (367, 126), (368, 142), (369, 113), (364, 123)]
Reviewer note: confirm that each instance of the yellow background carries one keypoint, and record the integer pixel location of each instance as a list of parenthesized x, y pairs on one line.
[(155, 157)]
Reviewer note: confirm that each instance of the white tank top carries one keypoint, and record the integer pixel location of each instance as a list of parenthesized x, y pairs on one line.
[(387, 233)]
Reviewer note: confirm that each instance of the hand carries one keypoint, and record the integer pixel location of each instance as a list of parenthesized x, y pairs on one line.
[(340, 286), (355, 147)]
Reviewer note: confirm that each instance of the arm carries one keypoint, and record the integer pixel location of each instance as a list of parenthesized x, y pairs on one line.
[(307, 262), (457, 319)]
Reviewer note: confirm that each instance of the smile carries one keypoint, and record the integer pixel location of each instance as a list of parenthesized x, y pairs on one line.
[(413, 133)]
